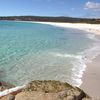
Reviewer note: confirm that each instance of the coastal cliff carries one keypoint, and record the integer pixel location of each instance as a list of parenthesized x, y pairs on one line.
[(47, 90)]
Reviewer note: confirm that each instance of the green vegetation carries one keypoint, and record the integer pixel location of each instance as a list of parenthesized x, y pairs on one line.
[(52, 19)]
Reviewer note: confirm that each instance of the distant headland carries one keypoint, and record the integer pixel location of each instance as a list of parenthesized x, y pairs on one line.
[(52, 19)]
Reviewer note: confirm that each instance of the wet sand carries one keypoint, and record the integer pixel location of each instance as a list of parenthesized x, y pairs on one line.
[(91, 79)]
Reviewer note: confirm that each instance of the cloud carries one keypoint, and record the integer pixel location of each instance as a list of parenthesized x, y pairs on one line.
[(92, 6), (72, 9)]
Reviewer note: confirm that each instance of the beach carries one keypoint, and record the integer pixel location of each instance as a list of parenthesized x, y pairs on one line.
[(92, 28), (90, 79), (91, 76)]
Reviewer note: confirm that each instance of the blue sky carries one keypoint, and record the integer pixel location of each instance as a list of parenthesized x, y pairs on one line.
[(72, 8)]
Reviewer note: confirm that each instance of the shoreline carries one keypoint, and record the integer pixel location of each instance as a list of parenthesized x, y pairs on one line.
[(90, 78), (91, 28)]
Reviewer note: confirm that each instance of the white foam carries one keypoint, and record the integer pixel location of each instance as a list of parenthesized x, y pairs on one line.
[(92, 37), (81, 59), (92, 53), (11, 90), (88, 56), (68, 55), (79, 67)]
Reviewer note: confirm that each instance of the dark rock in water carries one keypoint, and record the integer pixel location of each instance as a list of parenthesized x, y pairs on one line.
[(5, 85), (0, 84), (50, 90), (2, 73)]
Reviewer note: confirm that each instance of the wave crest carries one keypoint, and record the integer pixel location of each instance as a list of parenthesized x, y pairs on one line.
[(68, 55)]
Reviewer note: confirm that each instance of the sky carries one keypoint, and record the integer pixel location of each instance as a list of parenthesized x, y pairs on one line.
[(69, 8)]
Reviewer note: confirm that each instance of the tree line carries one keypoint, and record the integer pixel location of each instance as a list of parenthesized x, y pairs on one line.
[(52, 19)]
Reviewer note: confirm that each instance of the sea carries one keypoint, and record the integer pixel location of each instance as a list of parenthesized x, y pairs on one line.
[(34, 51)]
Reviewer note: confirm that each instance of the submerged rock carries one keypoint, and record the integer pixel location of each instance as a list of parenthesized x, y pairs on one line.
[(49, 90), (5, 85)]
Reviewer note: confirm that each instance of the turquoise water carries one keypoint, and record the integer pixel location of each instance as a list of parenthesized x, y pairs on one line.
[(32, 51)]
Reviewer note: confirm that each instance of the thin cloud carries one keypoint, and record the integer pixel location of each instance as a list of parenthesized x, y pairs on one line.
[(92, 6), (72, 9)]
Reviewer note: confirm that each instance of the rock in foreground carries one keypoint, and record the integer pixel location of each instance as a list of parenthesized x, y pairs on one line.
[(49, 90)]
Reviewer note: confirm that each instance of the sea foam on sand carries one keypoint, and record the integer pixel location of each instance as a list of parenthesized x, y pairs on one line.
[(12, 90)]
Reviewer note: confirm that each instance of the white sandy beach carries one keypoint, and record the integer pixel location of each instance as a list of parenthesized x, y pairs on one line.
[(92, 28)]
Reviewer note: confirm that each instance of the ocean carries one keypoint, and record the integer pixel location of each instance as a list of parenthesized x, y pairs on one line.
[(34, 51)]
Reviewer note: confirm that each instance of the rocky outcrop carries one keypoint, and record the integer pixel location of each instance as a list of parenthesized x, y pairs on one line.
[(48, 90)]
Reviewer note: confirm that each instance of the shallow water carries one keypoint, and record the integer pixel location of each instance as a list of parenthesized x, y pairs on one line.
[(32, 51)]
